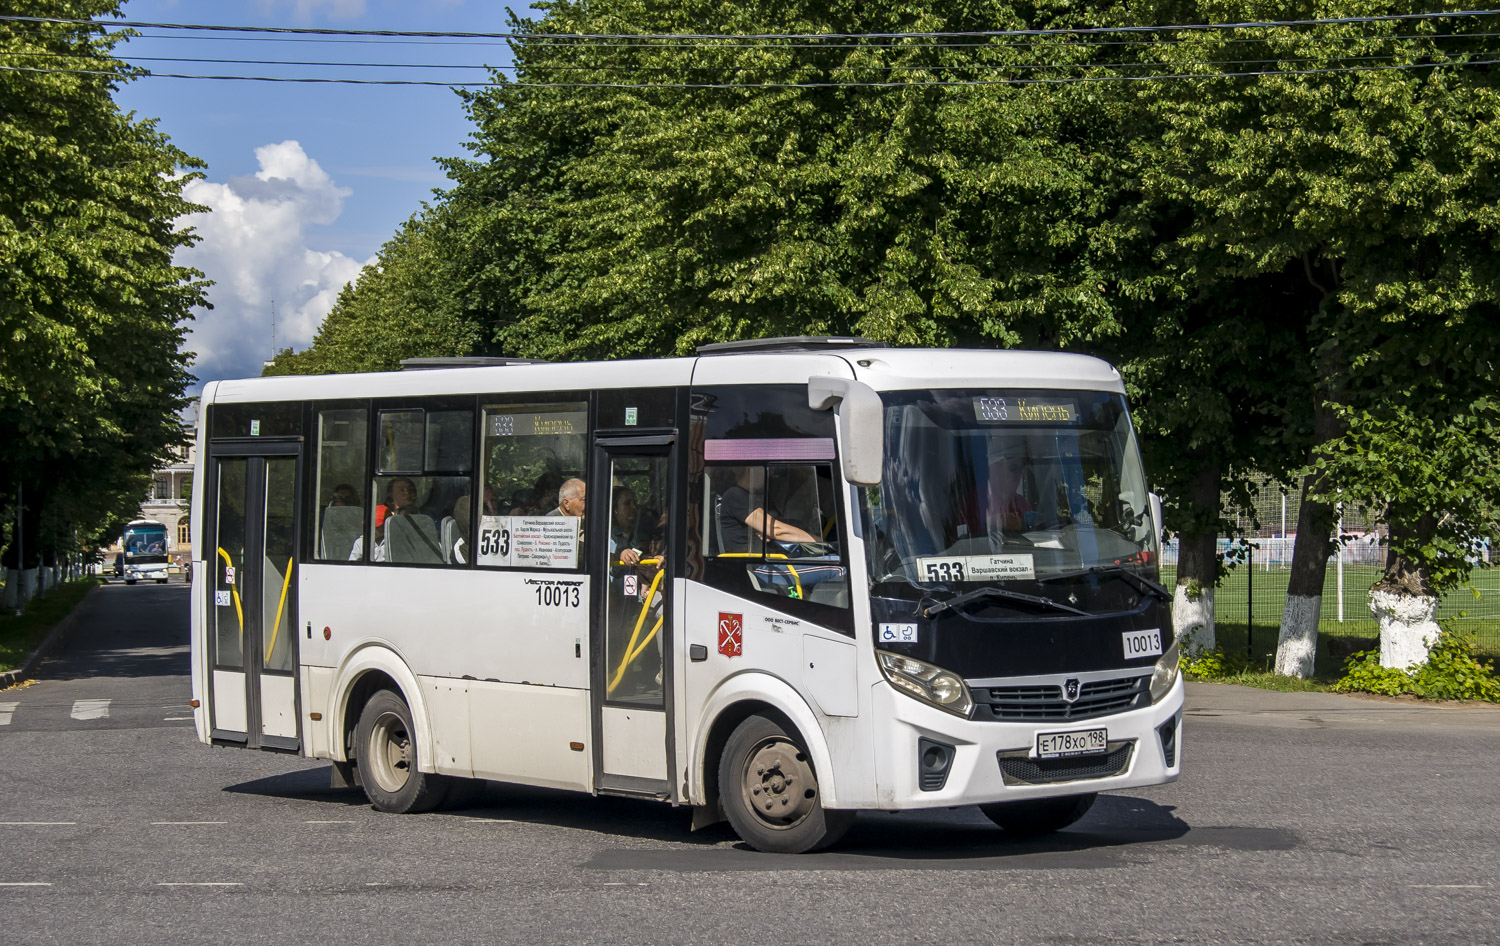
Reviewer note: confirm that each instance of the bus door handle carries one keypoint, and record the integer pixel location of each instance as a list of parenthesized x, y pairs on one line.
[(697, 652)]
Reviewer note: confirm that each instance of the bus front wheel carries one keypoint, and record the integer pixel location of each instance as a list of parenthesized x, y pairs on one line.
[(770, 791), (386, 752), (1040, 816)]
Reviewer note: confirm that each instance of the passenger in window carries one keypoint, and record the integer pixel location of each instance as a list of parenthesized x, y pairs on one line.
[(377, 551), (1006, 509), (622, 527), (344, 495), (570, 498), (742, 513), (401, 497)]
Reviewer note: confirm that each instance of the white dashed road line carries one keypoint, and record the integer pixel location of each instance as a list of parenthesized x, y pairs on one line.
[(199, 884), (91, 709), (38, 823), (188, 822), (6, 711), (22, 884)]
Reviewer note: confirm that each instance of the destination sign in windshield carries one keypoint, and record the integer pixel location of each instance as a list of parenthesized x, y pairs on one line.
[(1025, 410)]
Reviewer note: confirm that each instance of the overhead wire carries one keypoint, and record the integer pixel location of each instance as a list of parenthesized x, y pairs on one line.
[(1057, 40)]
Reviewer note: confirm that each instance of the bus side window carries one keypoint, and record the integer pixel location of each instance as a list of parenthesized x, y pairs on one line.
[(422, 488), (773, 531), (342, 459)]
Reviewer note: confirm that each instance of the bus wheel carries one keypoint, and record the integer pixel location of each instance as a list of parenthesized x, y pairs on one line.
[(770, 791), (386, 752), (1040, 816)]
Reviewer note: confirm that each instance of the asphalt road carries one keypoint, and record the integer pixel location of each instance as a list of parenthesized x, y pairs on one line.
[(1299, 819)]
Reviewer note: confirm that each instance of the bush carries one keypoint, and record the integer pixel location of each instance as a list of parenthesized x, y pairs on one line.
[(1454, 671)]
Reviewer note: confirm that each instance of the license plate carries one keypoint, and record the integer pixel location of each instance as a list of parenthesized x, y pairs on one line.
[(1057, 745)]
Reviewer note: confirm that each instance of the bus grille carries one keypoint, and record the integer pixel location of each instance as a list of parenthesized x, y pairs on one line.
[(1045, 701), (1021, 771)]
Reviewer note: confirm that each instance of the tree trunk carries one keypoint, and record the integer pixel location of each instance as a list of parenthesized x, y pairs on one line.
[(1197, 565), (1297, 647), (1404, 604)]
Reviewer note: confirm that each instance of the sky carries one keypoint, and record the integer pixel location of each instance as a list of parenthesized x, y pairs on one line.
[(304, 181)]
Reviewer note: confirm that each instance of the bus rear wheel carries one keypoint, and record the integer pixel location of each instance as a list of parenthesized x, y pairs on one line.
[(770, 791), (386, 752), (1039, 816)]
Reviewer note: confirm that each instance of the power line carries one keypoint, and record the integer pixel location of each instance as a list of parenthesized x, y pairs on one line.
[(526, 35), (1068, 80)]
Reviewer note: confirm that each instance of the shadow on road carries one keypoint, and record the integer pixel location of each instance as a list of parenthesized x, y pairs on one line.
[(959, 838)]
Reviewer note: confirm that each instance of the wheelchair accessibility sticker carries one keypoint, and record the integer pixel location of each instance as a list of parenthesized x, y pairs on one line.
[(898, 633)]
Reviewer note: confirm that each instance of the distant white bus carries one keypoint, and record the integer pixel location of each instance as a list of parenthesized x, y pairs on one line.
[(782, 581), (143, 547)]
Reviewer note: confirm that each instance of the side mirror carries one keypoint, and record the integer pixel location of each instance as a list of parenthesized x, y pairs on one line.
[(862, 431), (1156, 523)]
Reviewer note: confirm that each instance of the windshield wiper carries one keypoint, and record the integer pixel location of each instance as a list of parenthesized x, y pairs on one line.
[(1141, 582), (989, 592)]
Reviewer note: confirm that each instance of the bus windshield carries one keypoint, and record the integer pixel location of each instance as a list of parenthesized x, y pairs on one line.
[(1006, 487), (145, 545)]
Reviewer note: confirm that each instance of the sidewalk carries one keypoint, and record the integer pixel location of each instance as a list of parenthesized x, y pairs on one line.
[(1252, 706)]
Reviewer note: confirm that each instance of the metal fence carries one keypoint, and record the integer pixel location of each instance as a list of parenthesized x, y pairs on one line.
[(1253, 594)]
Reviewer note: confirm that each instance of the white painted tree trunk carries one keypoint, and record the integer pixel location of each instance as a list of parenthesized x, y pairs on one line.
[(1408, 628), (1193, 620), (1297, 648)]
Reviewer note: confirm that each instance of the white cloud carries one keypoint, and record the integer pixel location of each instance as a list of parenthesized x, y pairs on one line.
[(253, 245)]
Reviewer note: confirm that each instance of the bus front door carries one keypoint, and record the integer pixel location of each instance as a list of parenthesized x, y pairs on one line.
[(632, 677), (252, 594)]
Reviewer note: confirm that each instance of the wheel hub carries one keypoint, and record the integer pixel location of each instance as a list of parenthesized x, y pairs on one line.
[(779, 785)]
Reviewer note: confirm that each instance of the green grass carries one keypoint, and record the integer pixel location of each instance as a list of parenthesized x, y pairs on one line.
[(19, 636)]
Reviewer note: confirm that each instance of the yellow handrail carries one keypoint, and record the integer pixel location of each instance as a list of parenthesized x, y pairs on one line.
[(631, 650), (234, 589), (276, 628), (797, 579)]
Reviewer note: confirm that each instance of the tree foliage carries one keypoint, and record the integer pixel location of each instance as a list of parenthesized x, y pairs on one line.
[(1289, 254), (92, 309)]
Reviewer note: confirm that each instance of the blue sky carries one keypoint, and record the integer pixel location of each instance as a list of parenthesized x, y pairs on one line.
[(306, 181)]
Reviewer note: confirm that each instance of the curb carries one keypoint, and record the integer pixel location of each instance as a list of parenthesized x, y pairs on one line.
[(54, 637)]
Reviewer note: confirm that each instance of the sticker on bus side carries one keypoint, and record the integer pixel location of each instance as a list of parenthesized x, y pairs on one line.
[(898, 633), (731, 634)]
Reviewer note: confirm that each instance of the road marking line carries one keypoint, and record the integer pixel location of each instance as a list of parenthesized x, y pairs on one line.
[(177, 719), (492, 821), (37, 822), (91, 709), (189, 822), (6, 709), (22, 884), (200, 884), (1448, 886)]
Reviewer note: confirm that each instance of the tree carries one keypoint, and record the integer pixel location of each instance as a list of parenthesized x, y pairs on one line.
[(1374, 185), (91, 308)]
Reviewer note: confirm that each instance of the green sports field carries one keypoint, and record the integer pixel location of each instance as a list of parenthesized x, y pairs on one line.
[(1256, 599)]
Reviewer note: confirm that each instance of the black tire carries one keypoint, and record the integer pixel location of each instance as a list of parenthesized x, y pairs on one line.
[(770, 791), (385, 748), (130, 581), (1043, 816)]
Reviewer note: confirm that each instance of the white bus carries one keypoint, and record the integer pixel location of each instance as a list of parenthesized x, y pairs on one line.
[(782, 581), (143, 550)]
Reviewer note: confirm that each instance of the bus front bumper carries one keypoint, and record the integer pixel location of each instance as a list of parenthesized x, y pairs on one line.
[(928, 758)]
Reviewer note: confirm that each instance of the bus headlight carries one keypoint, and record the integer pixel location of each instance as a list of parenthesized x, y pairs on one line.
[(930, 684), (1165, 673)]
